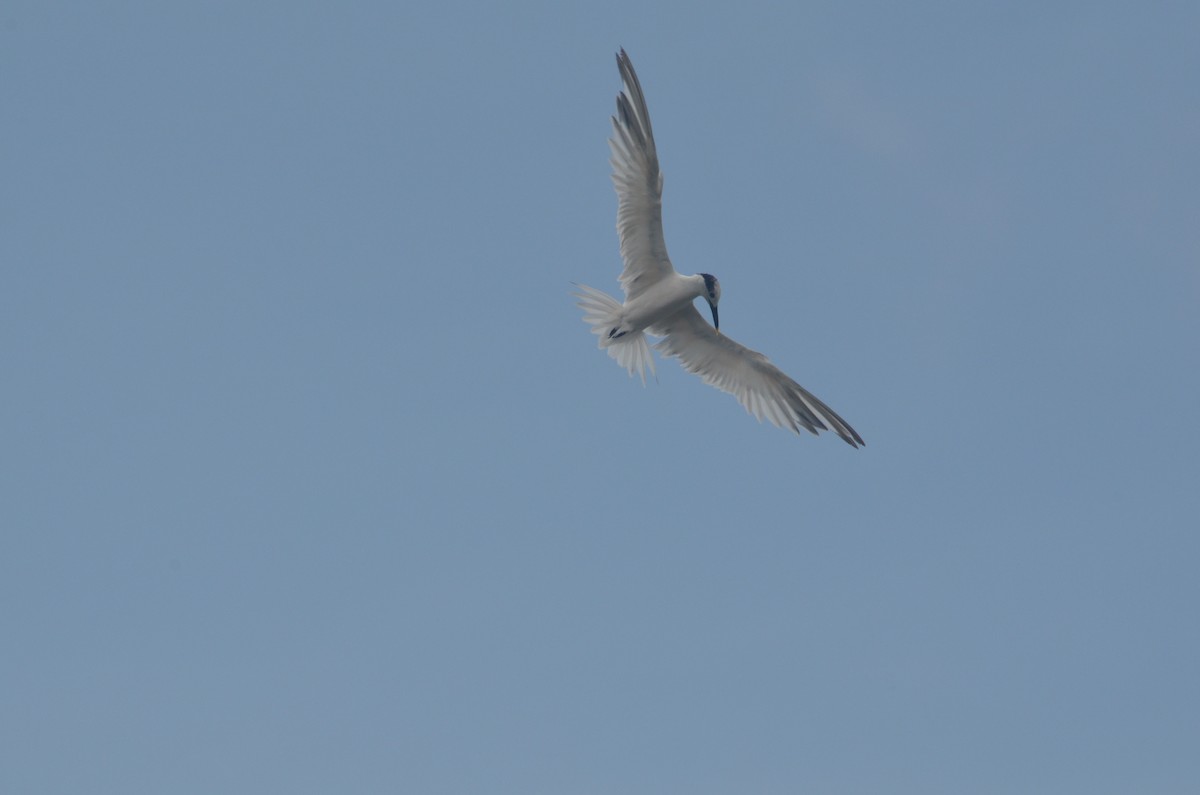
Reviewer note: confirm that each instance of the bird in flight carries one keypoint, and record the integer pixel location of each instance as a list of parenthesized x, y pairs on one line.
[(658, 299)]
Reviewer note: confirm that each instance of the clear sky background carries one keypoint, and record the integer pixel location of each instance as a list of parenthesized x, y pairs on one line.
[(314, 481)]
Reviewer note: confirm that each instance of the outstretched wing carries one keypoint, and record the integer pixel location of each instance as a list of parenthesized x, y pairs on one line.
[(764, 389), (639, 187)]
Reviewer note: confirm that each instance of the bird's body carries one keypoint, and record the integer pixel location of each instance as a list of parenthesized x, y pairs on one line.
[(670, 294), (658, 300)]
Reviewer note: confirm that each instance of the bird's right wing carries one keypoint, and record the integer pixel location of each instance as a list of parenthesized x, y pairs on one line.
[(639, 186), (764, 389)]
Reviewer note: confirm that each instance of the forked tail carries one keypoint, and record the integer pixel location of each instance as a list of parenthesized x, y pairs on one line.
[(603, 313)]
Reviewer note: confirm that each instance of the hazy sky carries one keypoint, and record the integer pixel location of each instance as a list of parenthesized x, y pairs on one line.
[(314, 481)]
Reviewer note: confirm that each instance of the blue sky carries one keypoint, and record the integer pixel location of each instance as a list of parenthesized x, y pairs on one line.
[(314, 480)]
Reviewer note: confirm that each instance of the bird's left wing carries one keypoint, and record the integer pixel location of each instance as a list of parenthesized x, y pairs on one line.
[(639, 186), (764, 389)]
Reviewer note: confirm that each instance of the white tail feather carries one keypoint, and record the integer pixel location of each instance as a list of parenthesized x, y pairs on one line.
[(603, 313)]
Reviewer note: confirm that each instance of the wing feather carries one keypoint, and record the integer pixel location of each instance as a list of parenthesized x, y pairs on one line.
[(760, 386), (638, 182)]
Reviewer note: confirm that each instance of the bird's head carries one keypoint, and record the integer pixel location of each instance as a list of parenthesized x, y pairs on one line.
[(712, 294)]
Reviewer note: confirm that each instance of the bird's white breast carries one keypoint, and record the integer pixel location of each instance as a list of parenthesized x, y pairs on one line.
[(661, 300)]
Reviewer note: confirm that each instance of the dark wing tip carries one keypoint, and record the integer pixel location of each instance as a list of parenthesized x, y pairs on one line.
[(824, 418), (849, 435)]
